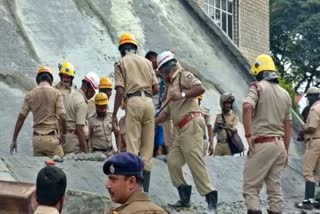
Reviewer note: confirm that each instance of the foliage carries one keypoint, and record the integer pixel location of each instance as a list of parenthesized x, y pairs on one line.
[(284, 84)]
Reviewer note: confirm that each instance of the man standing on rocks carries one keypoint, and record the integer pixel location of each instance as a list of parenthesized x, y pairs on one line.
[(136, 82), (66, 73), (76, 106), (183, 89), (311, 133), (46, 105), (125, 178), (267, 124), (226, 121), (100, 127)]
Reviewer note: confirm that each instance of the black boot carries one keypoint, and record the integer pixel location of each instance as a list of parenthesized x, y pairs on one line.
[(254, 212), (146, 180), (185, 195), (212, 199), (308, 202)]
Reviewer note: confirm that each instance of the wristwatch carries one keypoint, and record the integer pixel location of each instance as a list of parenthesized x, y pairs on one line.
[(183, 94)]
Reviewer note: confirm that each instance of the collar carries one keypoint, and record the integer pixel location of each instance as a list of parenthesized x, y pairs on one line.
[(174, 75), (137, 196), (41, 209), (84, 96), (44, 83)]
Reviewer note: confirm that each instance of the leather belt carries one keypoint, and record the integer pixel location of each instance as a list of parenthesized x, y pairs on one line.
[(313, 138), (187, 118), (50, 133), (100, 150), (139, 94), (266, 139)]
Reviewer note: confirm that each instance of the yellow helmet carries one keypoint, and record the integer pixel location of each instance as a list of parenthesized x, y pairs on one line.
[(105, 82), (263, 62), (44, 69), (101, 99), (66, 68), (128, 38), (200, 97)]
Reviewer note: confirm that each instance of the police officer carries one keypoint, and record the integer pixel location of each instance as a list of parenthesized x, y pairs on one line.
[(207, 119), (66, 73), (100, 127), (136, 81), (226, 121), (46, 105), (125, 177), (267, 124), (311, 132), (183, 88), (76, 106)]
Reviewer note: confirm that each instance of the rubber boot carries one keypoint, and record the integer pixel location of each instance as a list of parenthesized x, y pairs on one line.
[(308, 202), (146, 180), (271, 212), (254, 212), (212, 199), (185, 195)]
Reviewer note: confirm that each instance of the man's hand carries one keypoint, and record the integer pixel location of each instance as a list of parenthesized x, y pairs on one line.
[(287, 157), (250, 144), (13, 146), (210, 149), (176, 95)]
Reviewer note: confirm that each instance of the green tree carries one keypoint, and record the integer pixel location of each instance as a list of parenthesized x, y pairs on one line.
[(295, 40)]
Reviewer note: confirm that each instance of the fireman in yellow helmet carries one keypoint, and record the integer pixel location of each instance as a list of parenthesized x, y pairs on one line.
[(267, 124), (100, 127), (105, 86), (66, 73)]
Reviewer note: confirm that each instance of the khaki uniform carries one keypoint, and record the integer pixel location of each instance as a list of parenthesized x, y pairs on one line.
[(312, 152), (139, 203), (207, 119), (45, 103), (100, 132), (46, 210), (188, 144), (91, 107), (76, 106), (134, 73), (65, 90), (272, 106), (222, 146)]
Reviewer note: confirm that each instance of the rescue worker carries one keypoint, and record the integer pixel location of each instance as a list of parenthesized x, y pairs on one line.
[(66, 73), (125, 178), (105, 86), (46, 105), (206, 138), (183, 88), (51, 186), (311, 133), (100, 127), (136, 81), (225, 121), (77, 110), (267, 125)]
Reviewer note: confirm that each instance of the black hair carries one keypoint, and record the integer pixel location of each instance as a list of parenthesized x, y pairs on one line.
[(51, 185), (166, 67), (127, 47), (44, 77), (261, 76), (151, 54)]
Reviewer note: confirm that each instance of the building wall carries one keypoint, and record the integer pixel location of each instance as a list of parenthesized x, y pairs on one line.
[(254, 28)]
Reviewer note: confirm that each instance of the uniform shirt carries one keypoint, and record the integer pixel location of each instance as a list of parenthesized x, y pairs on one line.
[(207, 118), (91, 107), (76, 106), (231, 122), (139, 203), (272, 105), (313, 120), (45, 103), (65, 90), (178, 109), (100, 131), (46, 210), (136, 74)]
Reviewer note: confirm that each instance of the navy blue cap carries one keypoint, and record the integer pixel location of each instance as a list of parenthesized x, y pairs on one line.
[(123, 163)]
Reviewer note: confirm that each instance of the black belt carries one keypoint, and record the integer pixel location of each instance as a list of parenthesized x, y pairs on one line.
[(313, 138), (139, 94), (100, 150), (50, 133)]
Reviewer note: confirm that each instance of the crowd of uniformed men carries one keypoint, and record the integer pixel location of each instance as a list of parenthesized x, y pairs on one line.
[(70, 120)]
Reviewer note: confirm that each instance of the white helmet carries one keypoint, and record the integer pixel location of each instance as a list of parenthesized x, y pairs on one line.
[(164, 57), (93, 79)]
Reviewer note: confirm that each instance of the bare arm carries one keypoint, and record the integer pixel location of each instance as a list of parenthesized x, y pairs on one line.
[(287, 134), (82, 138), (246, 117), (162, 117), (155, 89), (118, 101), (63, 123), (18, 126), (210, 133), (117, 136), (194, 91)]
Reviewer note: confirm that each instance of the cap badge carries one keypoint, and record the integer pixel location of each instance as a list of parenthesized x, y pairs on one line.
[(112, 169)]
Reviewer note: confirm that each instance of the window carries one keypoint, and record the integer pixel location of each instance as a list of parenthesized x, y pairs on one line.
[(221, 11)]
